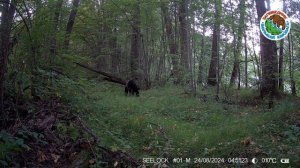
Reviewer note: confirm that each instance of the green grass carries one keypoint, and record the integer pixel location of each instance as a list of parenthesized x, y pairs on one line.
[(166, 122)]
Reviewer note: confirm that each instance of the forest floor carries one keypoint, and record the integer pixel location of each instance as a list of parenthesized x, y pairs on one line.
[(165, 122), (91, 124)]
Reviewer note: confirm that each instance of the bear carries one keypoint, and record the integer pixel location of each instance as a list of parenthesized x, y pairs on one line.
[(132, 88), (278, 20)]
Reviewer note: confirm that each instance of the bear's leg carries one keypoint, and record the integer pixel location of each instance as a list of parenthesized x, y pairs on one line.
[(131, 92), (126, 91)]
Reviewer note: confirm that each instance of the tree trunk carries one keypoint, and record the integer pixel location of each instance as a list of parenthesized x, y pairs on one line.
[(268, 56), (224, 63), (173, 49), (115, 60), (145, 61), (291, 69), (236, 65), (257, 61), (136, 71), (193, 57), (246, 61), (71, 22), (53, 45), (8, 12), (268, 5), (281, 58), (212, 74), (200, 76), (280, 66), (184, 39), (200, 66), (108, 77)]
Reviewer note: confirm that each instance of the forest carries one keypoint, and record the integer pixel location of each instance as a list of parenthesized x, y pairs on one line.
[(149, 83)]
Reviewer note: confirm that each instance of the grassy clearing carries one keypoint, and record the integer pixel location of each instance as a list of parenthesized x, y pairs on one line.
[(166, 122)]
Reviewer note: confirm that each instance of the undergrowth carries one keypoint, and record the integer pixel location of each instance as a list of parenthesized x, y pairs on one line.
[(165, 122)]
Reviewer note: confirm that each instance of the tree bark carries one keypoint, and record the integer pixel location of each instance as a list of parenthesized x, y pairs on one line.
[(56, 15), (193, 56), (184, 39), (281, 58), (8, 12), (115, 61), (170, 33), (291, 69), (71, 22), (257, 61), (222, 69), (268, 5), (268, 56), (136, 71), (200, 66), (280, 66), (246, 61), (236, 65), (212, 74)]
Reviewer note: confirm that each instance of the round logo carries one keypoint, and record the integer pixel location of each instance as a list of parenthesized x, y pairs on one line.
[(275, 25)]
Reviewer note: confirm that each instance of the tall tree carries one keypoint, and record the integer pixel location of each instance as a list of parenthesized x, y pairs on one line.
[(268, 56), (71, 22), (136, 44), (256, 60), (291, 67), (280, 66), (7, 10), (202, 52), (241, 27), (246, 61), (184, 37), (212, 74), (281, 57), (170, 33), (115, 52), (56, 16)]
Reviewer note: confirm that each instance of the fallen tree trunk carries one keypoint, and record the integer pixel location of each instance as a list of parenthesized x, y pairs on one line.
[(114, 81), (107, 77)]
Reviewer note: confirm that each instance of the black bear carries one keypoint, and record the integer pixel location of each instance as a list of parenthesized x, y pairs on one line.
[(131, 88)]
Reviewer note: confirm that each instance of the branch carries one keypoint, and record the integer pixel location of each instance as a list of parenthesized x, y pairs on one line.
[(23, 19), (108, 77), (113, 80)]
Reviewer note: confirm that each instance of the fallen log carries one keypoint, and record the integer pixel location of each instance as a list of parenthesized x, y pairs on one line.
[(114, 81), (107, 77)]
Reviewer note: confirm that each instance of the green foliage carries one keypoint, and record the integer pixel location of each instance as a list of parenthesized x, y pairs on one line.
[(26, 134), (282, 134), (272, 28), (9, 144), (166, 121), (68, 130)]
